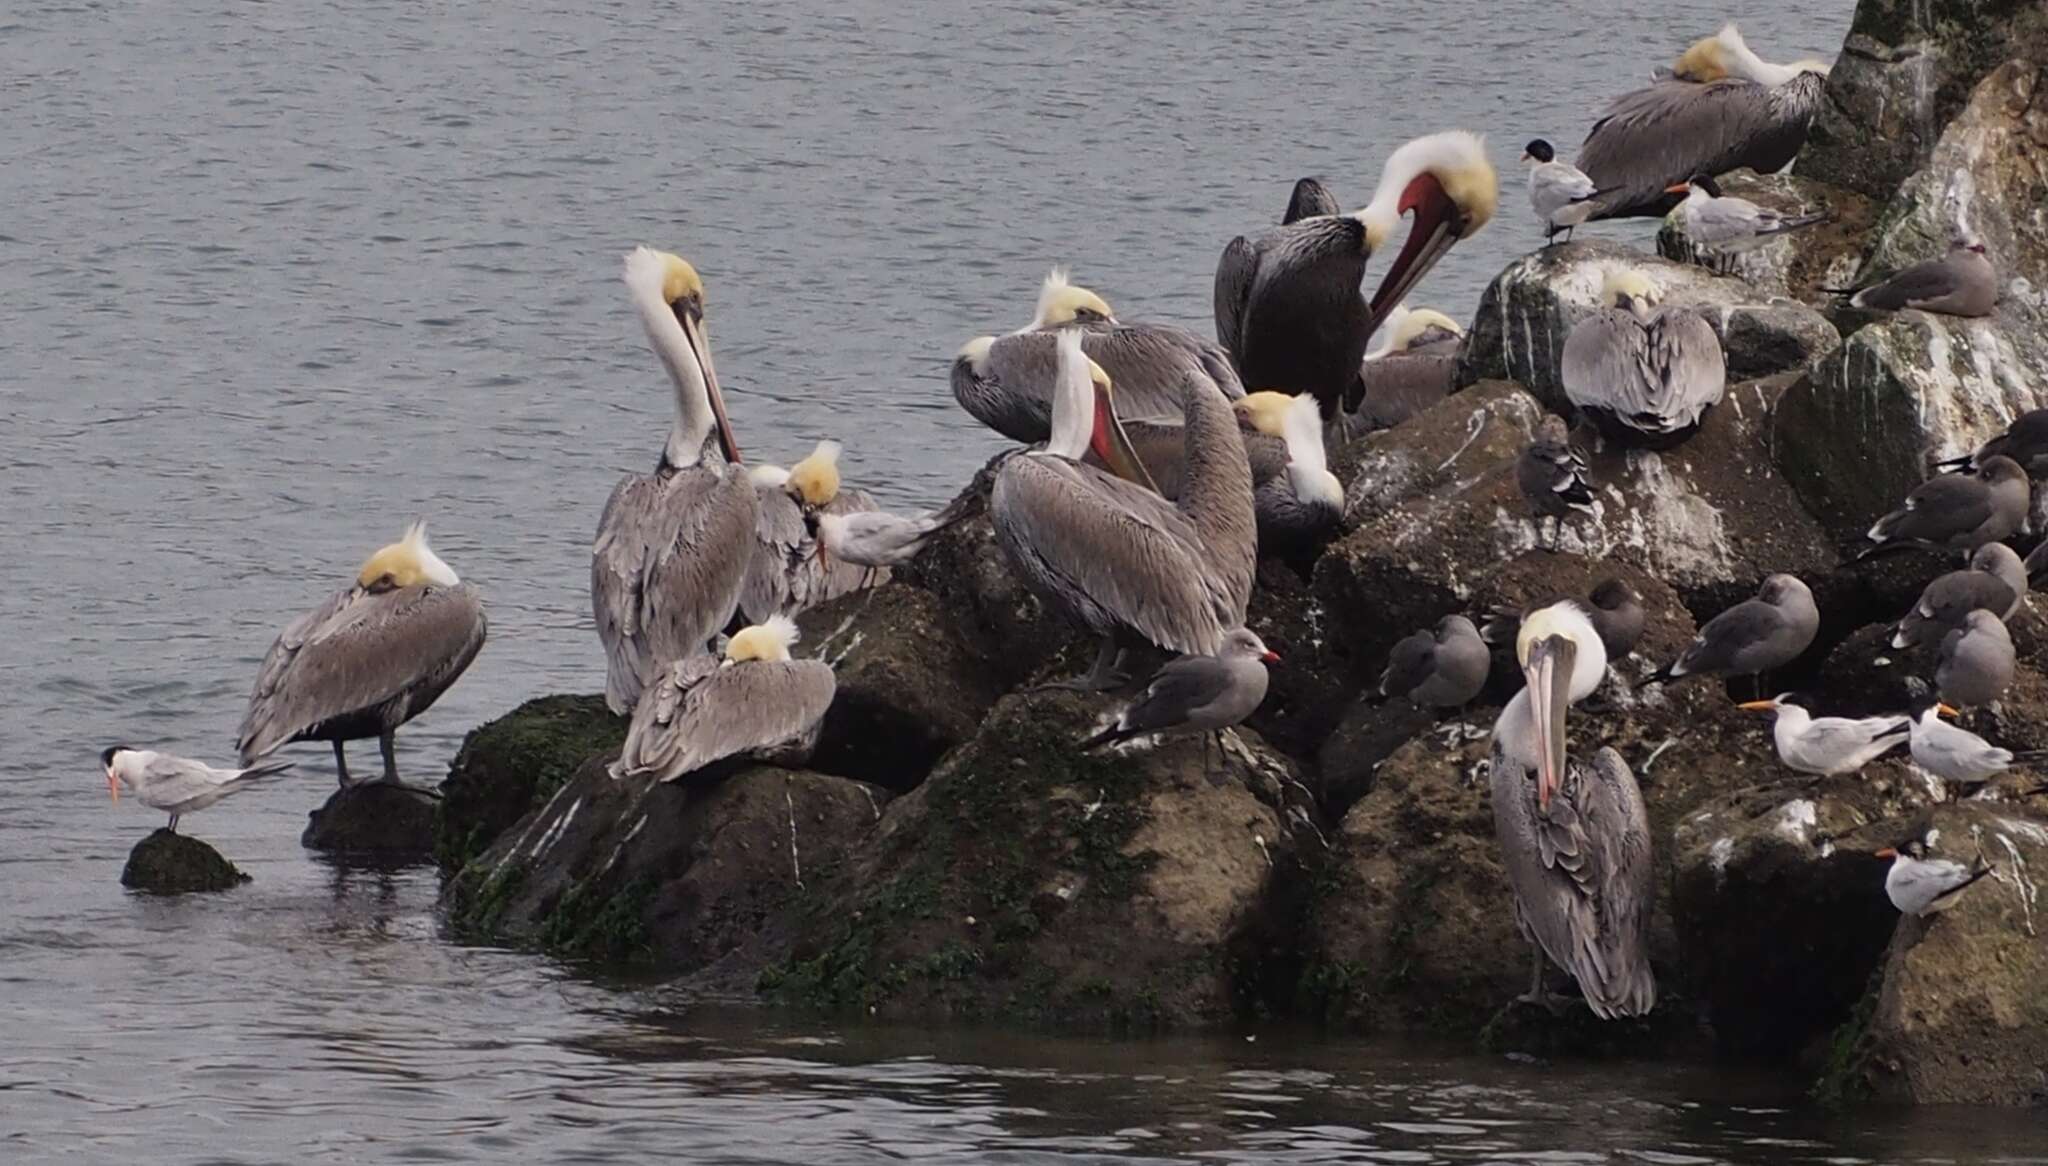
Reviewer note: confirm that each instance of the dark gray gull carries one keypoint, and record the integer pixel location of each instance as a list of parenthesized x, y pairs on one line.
[(1995, 580), (1553, 477), (1751, 638), (1960, 283), (1198, 694), (2024, 441), (1957, 510), (1976, 662), (1442, 668)]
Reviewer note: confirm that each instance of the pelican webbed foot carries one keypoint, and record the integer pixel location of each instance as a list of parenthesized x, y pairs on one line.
[(1104, 676)]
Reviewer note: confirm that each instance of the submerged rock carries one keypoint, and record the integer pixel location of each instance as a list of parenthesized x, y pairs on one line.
[(1028, 880), (1804, 261), (1529, 308), (662, 875), (374, 818), (507, 768), (1906, 69), (169, 864)]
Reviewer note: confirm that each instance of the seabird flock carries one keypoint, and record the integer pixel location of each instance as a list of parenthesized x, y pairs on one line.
[(1158, 468)]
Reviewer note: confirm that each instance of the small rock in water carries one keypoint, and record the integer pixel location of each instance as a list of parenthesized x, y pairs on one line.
[(373, 818), (171, 864)]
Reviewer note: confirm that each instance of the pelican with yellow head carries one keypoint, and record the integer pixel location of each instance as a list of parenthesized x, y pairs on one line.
[(670, 554), (373, 656), (1300, 510), (787, 570), (1645, 375), (755, 701)]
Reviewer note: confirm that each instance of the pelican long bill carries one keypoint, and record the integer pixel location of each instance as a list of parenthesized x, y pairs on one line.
[(691, 317), (1549, 675), (1112, 444)]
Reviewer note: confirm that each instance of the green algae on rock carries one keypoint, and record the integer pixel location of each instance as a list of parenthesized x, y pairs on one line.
[(507, 768), (168, 864)]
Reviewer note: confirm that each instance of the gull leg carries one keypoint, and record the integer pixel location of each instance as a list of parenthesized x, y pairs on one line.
[(341, 764), (1100, 678), (174, 824)]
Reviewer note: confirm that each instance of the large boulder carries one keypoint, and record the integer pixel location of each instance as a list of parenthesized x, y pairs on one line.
[(1957, 1014), (374, 819), (509, 767), (168, 863), (1906, 69), (668, 876), (1030, 880), (1806, 261), (1529, 308)]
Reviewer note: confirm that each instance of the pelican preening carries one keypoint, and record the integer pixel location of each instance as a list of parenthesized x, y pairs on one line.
[(1963, 511), (1553, 477), (1723, 226), (1574, 837), (1645, 376), (1975, 665), (1960, 283), (1288, 305), (1310, 199), (1613, 606), (671, 551), (1827, 746), (1559, 192), (1751, 638), (1198, 694), (1995, 580), (373, 656), (1007, 382), (1723, 109), (177, 785), (1300, 510), (1921, 886), (1444, 667), (1415, 367), (1115, 557), (756, 702), (785, 574)]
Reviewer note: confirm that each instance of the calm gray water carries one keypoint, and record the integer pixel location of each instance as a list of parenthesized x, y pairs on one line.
[(275, 278)]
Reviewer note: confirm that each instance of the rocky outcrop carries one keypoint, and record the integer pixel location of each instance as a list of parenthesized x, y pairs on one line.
[(1528, 310), (374, 819), (1028, 880), (1957, 1014), (1907, 68), (511, 766), (169, 864), (668, 876), (1805, 261)]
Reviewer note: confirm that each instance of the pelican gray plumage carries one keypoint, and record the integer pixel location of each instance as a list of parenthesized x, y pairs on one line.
[(1960, 283), (1310, 199), (1288, 305), (1006, 382), (371, 657), (756, 702), (1415, 366), (1114, 557), (177, 785), (785, 573), (1300, 510), (1559, 192), (1643, 375), (1827, 746), (1724, 109), (1574, 838), (1722, 226), (671, 547), (1964, 511), (1995, 580), (1751, 638), (1975, 665)]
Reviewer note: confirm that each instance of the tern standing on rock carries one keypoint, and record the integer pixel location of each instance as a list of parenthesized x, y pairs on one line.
[(1752, 637), (1921, 886), (1826, 746), (1950, 752), (177, 785), (1723, 226), (1198, 694), (1562, 196)]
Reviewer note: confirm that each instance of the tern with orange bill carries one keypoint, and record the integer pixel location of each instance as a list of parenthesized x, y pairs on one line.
[(177, 785)]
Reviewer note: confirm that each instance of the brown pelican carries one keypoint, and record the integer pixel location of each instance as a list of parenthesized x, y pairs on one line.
[(1300, 511), (1198, 694), (2024, 441), (1006, 382), (1310, 199), (1613, 606), (1115, 557), (371, 657), (1751, 638), (785, 573), (1995, 580), (1553, 476), (1961, 283), (671, 548), (1958, 510), (1288, 306), (1415, 366), (1575, 838), (756, 702), (1722, 227), (1827, 746), (177, 785), (1736, 111), (1559, 192), (1921, 886), (1975, 665), (1643, 375)]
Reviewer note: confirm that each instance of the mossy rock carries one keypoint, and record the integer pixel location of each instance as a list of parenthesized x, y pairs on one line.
[(374, 818), (168, 864), (510, 767)]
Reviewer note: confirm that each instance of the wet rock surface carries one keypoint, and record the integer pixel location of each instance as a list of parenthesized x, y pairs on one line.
[(509, 767), (374, 818), (165, 863)]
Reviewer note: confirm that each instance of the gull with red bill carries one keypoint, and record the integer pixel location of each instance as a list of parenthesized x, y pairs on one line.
[(1574, 837)]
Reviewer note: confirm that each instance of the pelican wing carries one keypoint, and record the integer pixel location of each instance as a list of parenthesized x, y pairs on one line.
[(1687, 365), (1606, 365), (1595, 843), (1234, 275), (782, 560), (699, 712), (1116, 554), (1310, 199), (1660, 135), (1399, 385), (356, 652), (1146, 363)]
